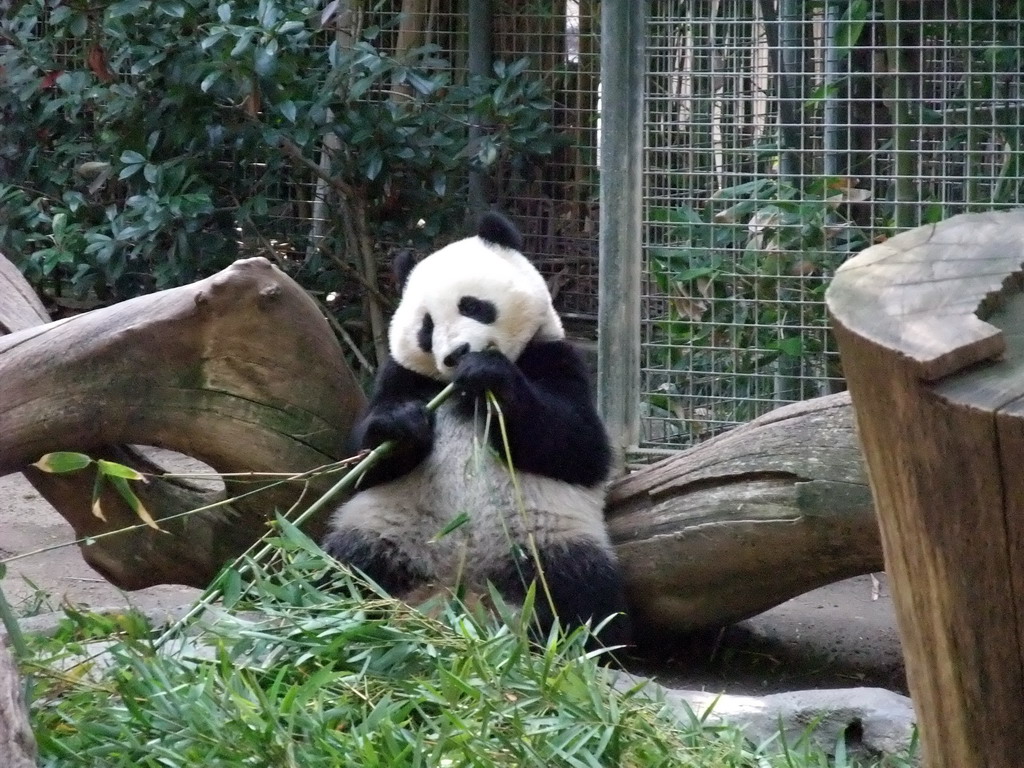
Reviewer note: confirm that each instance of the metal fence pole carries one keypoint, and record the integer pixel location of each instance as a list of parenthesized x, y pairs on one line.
[(479, 63), (621, 154)]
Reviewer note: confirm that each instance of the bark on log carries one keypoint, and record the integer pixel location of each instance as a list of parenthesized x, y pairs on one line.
[(939, 396), (746, 521), (239, 370), (17, 744)]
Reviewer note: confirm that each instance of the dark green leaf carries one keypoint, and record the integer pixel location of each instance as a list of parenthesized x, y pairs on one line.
[(850, 26), (130, 157), (374, 165)]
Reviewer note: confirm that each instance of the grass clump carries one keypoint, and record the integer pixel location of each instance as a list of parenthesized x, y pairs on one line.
[(293, 669)]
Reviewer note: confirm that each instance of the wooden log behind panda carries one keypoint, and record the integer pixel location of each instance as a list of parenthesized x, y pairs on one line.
[(745, 521), (715, 534)]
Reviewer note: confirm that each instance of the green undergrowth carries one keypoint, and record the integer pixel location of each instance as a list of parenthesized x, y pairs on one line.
[(292, 669)]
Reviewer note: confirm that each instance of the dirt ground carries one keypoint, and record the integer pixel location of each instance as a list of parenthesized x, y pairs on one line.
[(838, 636)]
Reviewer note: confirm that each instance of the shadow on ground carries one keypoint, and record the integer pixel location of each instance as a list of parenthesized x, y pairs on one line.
[(839, 636)]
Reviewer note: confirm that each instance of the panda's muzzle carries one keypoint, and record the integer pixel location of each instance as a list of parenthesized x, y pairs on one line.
[(452, 358)]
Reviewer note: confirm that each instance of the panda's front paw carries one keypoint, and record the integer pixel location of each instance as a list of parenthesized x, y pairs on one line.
[(488, 371), (409, 423)]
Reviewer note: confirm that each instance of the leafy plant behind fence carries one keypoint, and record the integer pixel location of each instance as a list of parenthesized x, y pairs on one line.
[(150, 142)]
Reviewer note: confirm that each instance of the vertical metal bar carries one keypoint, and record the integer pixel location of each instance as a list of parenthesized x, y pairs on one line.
[(903, 131), (790, 59), (620, 255), (833, 66), (344, 33), (479, 62)]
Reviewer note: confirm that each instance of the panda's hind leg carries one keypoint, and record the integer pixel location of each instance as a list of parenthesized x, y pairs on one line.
[(381, 559), (581, 581)]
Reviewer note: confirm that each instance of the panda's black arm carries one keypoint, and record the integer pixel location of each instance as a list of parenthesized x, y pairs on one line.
[(552, 425), (396, 411)]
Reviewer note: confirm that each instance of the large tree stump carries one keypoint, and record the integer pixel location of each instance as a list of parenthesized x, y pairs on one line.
[(937, 393)]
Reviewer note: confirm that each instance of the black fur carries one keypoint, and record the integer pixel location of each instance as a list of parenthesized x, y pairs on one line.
[(401, 266), (382, 560), (397, 411), (425, 335), (481, 310), (552, 426), (496, 229), (584, 583)]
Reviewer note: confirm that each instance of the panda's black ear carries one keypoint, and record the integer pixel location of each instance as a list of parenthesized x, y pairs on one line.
[(401, 266), (495, 228)]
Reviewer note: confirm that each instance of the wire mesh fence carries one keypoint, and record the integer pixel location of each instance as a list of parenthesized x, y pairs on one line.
[(775, 139), (779, 138), (552, 198)]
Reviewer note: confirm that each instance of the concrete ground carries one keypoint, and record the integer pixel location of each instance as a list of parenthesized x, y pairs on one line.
[(841, 635)]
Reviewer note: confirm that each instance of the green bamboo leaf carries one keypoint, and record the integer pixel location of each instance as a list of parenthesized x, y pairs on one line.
[(97, 490), (454, 524), (113, 469), (133, 501), (232, 586), (62, 461)]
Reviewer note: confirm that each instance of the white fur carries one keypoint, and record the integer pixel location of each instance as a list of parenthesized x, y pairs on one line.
[(463, 475), (471, 267)]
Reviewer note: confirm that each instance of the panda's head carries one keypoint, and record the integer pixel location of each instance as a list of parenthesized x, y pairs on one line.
[(475, 294)]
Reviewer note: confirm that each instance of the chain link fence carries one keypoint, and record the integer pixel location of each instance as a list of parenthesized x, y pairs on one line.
[(773, 139), (718, 159), (779, 137)]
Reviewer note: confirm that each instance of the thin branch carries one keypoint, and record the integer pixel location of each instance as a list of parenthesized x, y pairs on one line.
[(292, 151), (353, 216)]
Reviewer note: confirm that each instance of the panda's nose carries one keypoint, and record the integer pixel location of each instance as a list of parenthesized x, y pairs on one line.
[(453, 357)]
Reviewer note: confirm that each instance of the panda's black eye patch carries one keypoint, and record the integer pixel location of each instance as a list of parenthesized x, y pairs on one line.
[(425, 337), (480, 310)]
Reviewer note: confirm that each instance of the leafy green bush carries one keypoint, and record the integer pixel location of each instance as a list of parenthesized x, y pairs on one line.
[(149, 142), (744, 279)]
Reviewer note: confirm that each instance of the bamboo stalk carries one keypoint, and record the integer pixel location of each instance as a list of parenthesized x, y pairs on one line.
[(242, 565)]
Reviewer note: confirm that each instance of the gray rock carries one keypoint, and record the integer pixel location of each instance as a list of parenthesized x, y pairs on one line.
[(873, 722)]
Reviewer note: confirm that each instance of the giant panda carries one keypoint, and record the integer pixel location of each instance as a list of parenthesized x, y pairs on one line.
[(479, 314)]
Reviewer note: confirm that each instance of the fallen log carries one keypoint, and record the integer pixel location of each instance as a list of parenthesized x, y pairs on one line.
[(241, 372), (745, 521)]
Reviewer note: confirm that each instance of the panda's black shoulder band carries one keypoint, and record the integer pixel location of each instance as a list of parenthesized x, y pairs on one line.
[(496, 229)]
